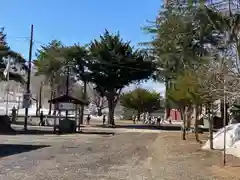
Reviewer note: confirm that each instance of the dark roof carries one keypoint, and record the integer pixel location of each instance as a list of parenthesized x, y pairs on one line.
[(67, 99), (159, 111)]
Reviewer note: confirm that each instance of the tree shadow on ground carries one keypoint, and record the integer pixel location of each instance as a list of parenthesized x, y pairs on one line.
[(11, 149), (145, 126), (96, 133), (51, 132), (31, 132)]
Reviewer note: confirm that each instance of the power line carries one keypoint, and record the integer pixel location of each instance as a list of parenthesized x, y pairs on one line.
[(18, 38), (44, 44)]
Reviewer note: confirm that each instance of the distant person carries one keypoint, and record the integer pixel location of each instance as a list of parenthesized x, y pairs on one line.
[(139, 119), (155, 120), (88, 119), (14, 114), (149, 119), (170, 120), (104, 119), (133, 119), (42, 120), (158, 120), (162, 119)]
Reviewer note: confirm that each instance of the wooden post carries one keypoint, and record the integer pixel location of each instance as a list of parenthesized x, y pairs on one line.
[(55, 119), (60, 117), (76, 117), (29, 76)]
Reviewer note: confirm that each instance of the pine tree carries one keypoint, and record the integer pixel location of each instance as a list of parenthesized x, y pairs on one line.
[(18, 66)]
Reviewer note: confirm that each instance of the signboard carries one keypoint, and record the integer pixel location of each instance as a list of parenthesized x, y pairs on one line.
[(27, 100), (66, 106)]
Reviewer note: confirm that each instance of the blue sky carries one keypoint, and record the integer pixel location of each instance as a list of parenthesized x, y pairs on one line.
[(76, 21)]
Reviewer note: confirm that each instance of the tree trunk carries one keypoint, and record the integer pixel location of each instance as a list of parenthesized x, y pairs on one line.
[(55, 109), (222, 113), (111, 113), (210, 127), (138, 116), (144, 116), (111, 108), (37, 104), (188, 113), (50, 104), (210, 133), (81, 111), (55, 94), (52, 95), (84, 98), (183, 117), (99, 111), (79, 118), (196, 123), (100, 106), (167, 109), (40, 98)]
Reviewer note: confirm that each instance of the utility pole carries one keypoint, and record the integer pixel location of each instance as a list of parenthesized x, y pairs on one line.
[(40, 96), (81, 113), (224, 120), (67, 86), (28, 78), (67, 81), (224, 94), (7, 84)]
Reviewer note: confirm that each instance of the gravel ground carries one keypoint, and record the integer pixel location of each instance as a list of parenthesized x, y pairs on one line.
[(126, 156), (78, 157)]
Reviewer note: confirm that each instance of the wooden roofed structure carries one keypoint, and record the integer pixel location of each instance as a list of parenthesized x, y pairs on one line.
[(68, 104)]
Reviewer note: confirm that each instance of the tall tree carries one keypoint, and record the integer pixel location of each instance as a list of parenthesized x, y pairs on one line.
[(77, 57), (115, 64), (226, 24), (37, 91), (179, 42), (192, 89), (141, 101), (179, 94), (50, 63)]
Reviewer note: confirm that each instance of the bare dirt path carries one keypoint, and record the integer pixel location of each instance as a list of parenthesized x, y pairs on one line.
[(185, 160)]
